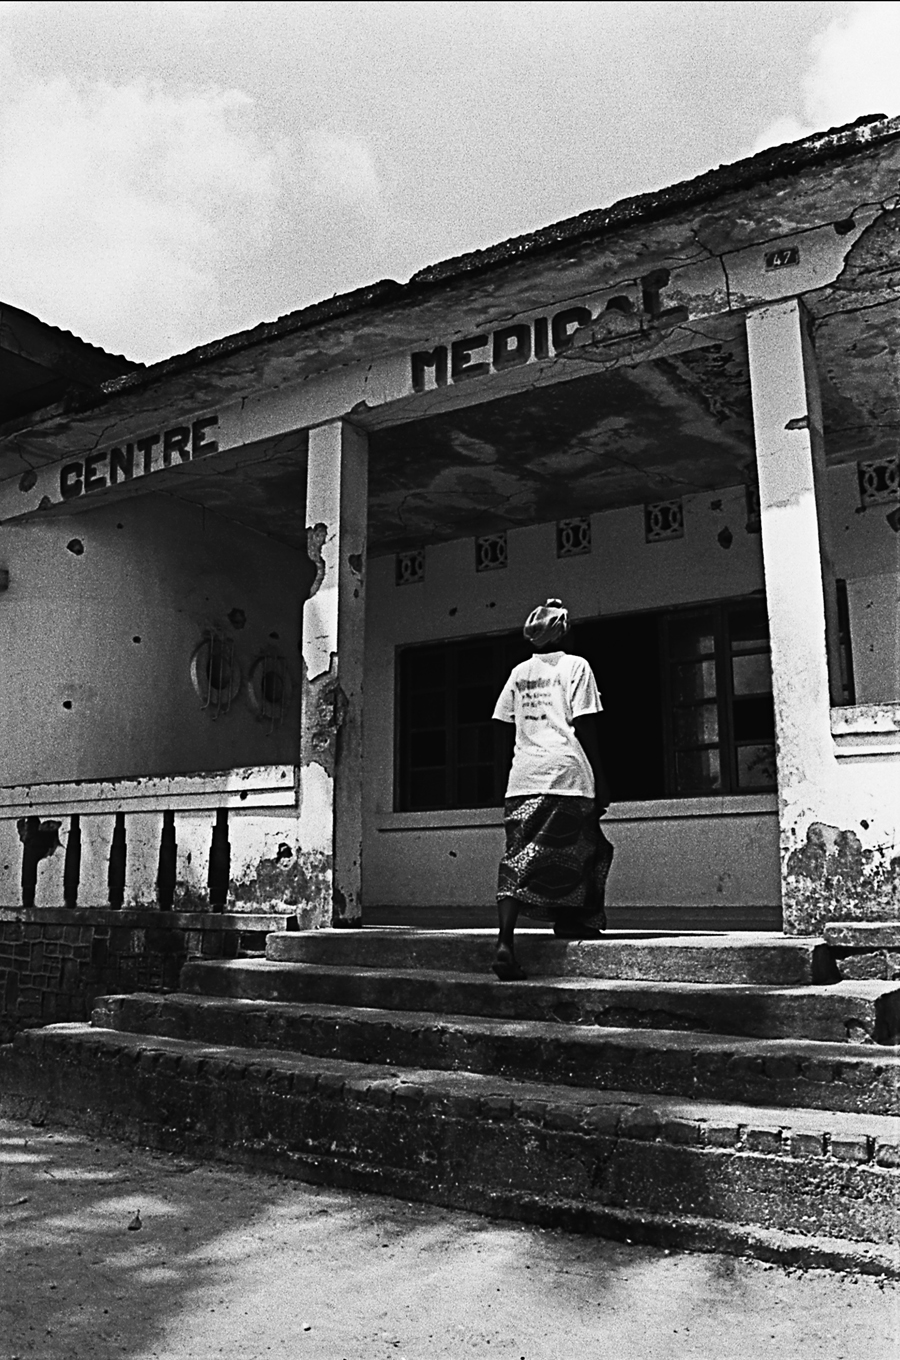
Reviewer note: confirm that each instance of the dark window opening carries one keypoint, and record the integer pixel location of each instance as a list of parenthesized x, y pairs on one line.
[(687, 699)]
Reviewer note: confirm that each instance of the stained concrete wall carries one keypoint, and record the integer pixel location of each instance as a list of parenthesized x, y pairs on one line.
[(683, 853), (97, 630)]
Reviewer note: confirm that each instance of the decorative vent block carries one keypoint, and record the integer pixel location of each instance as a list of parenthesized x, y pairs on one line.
[(879, 481), (751, 501), (490, 552), (410, 567), (573, 537), (663, 519)]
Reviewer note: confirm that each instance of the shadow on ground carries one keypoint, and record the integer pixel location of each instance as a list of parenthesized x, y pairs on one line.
[(227, 1262)]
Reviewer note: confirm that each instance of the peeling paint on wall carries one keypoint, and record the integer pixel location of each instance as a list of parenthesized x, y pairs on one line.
[(324, 709), (315, 542), (832, 876), (291, 878)]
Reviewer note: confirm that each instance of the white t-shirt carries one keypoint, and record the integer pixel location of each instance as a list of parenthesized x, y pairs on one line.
[(542, 697)]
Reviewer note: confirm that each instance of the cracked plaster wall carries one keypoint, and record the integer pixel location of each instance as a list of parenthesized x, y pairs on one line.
[(98, 626)]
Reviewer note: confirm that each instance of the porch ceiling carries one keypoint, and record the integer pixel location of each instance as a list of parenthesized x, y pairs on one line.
[(660, 429), (620, 436)]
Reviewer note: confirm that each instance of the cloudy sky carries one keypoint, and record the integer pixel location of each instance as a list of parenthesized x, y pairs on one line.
[(172, 172)]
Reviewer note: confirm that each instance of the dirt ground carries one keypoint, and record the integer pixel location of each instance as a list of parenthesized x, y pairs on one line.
[(111, 1251)]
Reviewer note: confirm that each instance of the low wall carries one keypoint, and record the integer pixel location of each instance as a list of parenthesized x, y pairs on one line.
[(716, 856), (54, 963)]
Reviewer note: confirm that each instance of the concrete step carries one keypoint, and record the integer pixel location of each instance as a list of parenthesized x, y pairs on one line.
[(695, 1174), (846, 1011), (774, 1072), (753, 958)]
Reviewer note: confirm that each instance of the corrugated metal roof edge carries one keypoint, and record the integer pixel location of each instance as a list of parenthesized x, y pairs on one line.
[(863, 134), (70, 335)]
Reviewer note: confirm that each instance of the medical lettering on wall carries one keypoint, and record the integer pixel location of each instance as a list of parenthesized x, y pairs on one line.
[(542, 337)]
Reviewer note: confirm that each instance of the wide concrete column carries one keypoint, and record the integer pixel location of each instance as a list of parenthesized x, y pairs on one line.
[(799, 581), (333, 642)]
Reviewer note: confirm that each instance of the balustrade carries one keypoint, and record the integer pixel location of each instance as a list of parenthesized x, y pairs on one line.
[(165, 859)]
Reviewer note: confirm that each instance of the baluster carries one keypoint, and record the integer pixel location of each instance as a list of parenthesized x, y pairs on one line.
[(10, 863), (219, 862), (72, 864), (168, 852), (142, 864), (195, 830), (117, 856), (97, 831), (29, 831)]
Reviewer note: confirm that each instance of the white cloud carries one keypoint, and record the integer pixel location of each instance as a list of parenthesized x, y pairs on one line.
[(342, 169), (125, 202), (854, 70)]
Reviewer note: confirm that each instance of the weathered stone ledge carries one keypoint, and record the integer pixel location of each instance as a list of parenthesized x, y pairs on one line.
[(149, 917)]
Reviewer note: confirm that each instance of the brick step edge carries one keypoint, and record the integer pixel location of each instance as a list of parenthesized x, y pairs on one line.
[(778, 1072), (863, 1011), (687, 1233), (472, 1142)]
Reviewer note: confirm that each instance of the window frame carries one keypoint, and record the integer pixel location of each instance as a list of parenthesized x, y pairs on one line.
[(722, 613), (507, 642)]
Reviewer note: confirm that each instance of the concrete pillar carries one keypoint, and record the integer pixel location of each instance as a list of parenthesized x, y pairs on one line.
[(799, 582), (333, 641)]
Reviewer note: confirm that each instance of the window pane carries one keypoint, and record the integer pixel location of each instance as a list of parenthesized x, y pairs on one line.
[(752, 674), (475, 745), (697, 726), (756, 767), (697, 771), (427, 748), (426, 670), (427, 789), (694, 681), (475, 786), (748, 628), (476, 705), (426, 709), (693, 636), (475, 663), (754, 719)]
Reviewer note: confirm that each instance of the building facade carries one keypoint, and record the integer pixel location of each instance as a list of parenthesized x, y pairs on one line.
[(260, 597)]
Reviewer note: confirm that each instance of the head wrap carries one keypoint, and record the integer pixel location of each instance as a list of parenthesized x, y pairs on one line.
[(546, 624)]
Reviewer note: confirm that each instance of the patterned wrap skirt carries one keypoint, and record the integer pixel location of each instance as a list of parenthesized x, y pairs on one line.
[(557, 859)]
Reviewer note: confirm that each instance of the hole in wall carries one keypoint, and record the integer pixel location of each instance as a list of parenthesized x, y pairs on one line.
[(75, 546), (135, 639), (28, 480), (67, 703)]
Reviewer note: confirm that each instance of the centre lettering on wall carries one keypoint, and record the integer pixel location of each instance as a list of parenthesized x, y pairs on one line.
[(136, 458)]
